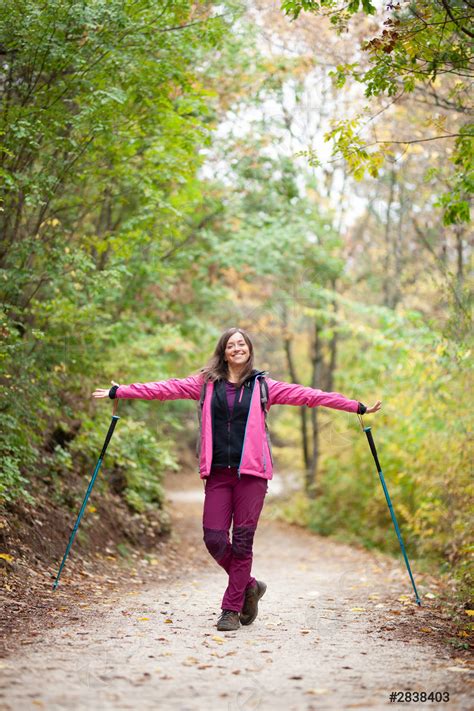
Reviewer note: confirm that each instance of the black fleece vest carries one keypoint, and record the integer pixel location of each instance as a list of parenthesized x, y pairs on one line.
[(229, 428)]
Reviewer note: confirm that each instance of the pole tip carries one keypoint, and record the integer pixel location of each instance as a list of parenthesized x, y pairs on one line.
[(367, 429)]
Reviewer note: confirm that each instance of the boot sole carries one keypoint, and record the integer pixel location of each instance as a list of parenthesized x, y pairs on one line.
[(227, 629), (254, 616)]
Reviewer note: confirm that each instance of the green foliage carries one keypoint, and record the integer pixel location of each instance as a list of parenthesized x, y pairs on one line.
[(292, 8), (422, 437), (423, 45), (135, 457), (105, 111)]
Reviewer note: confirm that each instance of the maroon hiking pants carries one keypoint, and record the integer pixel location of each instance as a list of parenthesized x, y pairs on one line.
[(229, 499)]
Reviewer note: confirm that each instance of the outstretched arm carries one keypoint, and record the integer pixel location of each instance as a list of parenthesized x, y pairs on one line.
[(281, 393), (173, 389)]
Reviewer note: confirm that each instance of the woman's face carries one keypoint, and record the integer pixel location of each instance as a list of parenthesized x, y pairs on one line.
[(237, 351)]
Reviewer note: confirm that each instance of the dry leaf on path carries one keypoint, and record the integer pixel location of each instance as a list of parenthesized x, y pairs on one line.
[(316, 692)]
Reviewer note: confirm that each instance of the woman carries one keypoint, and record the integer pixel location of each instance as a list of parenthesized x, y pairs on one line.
[(234, 454)]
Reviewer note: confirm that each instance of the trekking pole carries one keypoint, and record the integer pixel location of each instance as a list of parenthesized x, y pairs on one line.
[(89, 489), (368, 432)]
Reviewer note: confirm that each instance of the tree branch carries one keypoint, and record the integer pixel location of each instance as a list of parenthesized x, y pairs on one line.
[(447, 7)]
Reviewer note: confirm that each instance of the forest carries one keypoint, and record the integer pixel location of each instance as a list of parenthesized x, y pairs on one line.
[(302, 169)]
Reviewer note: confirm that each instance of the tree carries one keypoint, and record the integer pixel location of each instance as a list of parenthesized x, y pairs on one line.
[(423, 47)]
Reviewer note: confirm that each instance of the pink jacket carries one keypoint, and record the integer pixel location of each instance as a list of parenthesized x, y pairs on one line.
[(256, 456)]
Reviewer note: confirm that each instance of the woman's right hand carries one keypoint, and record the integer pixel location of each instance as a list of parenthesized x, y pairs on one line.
[(103, 392)]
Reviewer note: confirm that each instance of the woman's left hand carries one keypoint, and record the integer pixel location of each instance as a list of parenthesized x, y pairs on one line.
[(375, 408)]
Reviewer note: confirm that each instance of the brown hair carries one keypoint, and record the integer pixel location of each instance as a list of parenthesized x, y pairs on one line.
[(216, 368)]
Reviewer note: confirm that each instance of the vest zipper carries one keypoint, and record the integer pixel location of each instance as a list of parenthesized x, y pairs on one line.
[(252, 395)]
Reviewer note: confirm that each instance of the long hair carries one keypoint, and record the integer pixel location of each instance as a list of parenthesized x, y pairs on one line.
[(217, 369)]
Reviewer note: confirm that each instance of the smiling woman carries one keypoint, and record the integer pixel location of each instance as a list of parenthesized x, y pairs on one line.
[(235, 459)]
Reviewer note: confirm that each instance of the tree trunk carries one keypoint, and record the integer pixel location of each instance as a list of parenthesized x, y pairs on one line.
[(312, 468), (294, 378), (387, 282)]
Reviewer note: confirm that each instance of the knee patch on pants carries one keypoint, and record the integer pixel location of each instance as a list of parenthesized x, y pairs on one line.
[(216, 542), (242, 541)]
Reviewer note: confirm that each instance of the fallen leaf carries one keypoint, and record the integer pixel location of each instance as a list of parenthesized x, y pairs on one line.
[(143, 619), (217, 639), (469, 612), (9, 559), (357, 609), (305, 631), (316, 692), (425, 629), (189, 661), (430, 596), (168, 621)]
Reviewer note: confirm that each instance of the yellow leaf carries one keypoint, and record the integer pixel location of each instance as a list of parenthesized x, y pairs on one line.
[(168, 621), (425, 629), (357, 609), (8, 558), (430, 596), (189, 661), (468, 612), (92, 509), (218, 639), (143, 619)]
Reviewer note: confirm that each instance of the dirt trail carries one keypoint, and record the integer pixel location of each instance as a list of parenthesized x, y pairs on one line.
[(331, 634)]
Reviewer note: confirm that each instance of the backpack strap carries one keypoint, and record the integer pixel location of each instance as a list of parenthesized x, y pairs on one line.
[(264, 401), (199, 414), (203, 394), (264, 394)]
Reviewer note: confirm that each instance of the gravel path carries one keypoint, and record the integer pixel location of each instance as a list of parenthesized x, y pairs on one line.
[(337, 629)]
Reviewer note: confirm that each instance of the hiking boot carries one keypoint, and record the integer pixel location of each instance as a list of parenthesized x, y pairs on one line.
[(250, 608), (228, 621)]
